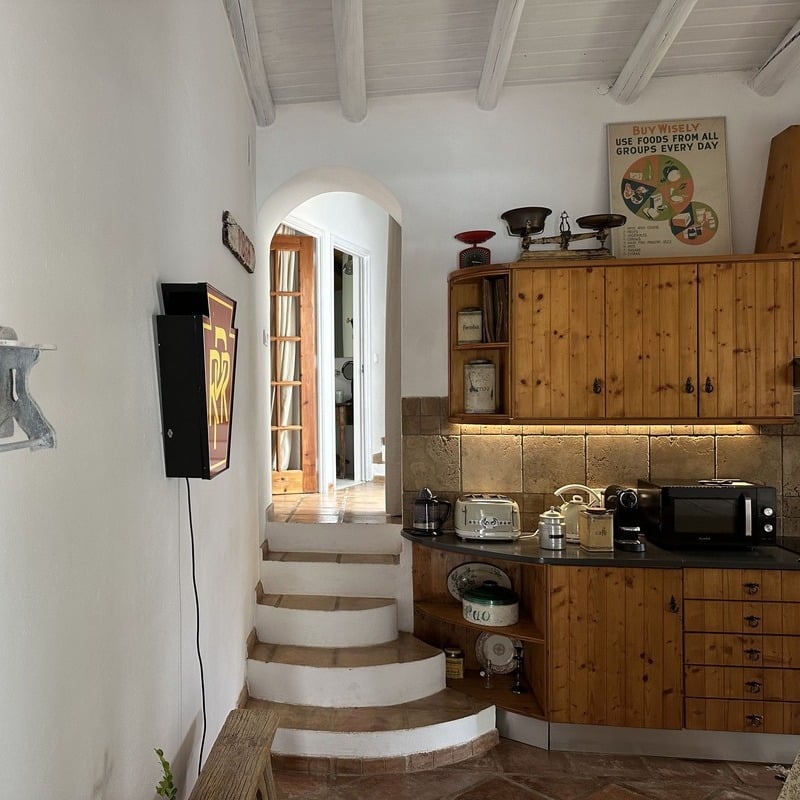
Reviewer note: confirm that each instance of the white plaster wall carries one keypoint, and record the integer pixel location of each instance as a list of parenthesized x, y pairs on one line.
[(123, 137), (355, 219), (452, 167)]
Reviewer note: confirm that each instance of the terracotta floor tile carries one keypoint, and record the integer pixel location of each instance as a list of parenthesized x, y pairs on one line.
[(612, 766), (746, 793), (498, 788), (300, 786), (681, 769), (559, 787), (614, 791), (517, 757), (664, 789), (754, 774)]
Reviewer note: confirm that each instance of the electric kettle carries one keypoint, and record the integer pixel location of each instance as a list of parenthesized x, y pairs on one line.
[(572, 506), (428, 513)]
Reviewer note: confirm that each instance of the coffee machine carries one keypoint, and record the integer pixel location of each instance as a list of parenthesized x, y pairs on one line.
[(624, 502)]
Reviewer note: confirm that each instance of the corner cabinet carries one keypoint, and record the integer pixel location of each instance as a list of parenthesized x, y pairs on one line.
[(633, 340)]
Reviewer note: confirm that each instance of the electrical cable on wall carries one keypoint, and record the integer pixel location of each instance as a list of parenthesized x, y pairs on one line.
[(197, 627)]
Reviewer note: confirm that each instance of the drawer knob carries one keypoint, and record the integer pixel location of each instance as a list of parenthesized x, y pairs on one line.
[(673, 605), (753, 654), (754, 687), (752, 588), (755, 720), (753, 620)]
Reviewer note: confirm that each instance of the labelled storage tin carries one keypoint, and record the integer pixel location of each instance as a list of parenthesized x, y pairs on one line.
[(470, 325), (480, 387)]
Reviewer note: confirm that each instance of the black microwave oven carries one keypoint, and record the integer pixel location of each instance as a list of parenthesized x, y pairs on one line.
[(708, 513)]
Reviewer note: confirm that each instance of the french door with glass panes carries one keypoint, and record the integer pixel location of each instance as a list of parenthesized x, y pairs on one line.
[(292, 382)]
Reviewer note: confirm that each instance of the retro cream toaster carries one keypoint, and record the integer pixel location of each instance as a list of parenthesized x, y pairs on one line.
[(487, 516)]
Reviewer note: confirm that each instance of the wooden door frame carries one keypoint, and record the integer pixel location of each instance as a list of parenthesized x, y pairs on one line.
[(303, 480)]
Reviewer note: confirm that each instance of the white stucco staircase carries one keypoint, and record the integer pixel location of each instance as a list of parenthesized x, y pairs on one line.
[(333, 653)]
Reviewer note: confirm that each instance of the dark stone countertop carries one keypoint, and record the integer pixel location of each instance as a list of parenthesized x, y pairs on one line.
[(786, 555)]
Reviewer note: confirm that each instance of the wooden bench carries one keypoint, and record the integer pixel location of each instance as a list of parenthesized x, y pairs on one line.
[(239, 766)]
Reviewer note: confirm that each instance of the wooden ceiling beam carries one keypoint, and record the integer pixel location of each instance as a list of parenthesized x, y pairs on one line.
[(498, 52), (665, 24), (242, 20), (783, 61), (348, 35)]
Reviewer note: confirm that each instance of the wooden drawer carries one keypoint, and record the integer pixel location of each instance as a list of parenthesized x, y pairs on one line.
[(741, 650), (743, 683), (742, 584), (741, 616), (749, 716)]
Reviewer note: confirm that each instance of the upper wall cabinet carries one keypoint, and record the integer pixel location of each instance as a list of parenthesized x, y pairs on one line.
[(630, 340)]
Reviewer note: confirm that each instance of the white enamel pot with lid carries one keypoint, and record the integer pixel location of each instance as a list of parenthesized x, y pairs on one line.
[(573, 504), (490, 604)]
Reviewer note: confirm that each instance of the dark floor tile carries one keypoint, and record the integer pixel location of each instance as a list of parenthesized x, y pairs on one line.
[(432, 785), (746, 793), (683, 769), (754, 774), (301, 786), (656, 789), (611, 766), (613, 791), (556, 787), (497, 788), (517, 757), (485, 763)]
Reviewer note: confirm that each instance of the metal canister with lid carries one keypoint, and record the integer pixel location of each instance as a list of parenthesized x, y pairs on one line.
[(552, 530), (480, 387), (596, 529)]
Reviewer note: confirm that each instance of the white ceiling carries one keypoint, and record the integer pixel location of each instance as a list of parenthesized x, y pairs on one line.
[(301, 51)]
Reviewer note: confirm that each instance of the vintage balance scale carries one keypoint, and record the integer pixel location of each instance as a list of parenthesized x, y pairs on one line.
[(528, 222)]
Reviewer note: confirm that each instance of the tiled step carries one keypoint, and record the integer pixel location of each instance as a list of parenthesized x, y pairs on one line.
[(346, 537), (342, 574), (325, 620), (445, 723), (399, 671)]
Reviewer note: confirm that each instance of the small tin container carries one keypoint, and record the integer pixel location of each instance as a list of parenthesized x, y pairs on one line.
[(454, 662), (480, 387), (470, 325), (596, 529), (552, 530)]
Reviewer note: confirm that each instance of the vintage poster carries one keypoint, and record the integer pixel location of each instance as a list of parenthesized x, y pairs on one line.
[(670, 179)]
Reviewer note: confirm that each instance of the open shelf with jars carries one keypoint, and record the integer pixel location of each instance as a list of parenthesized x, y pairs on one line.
[(479, 349), (438, 621)]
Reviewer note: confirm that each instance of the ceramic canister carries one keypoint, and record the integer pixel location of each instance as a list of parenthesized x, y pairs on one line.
[(490, 604), (480, 387)]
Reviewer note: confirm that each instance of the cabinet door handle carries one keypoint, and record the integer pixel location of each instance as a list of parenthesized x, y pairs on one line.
[(673, 605), (688, 387), (753, 654), (755, 720), (754, 687), (752, 588), (597, 387), (708, 387), (753, 620)]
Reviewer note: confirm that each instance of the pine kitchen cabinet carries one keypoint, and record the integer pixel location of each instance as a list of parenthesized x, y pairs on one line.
[(639, 340), (615, 639), (742, 650)]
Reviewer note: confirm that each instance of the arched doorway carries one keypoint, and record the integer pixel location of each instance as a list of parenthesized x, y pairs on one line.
[(272, 213)]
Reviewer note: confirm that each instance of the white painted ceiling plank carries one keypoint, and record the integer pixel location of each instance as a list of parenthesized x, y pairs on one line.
[(498, 53), (651, 48), (784, 60), (242, 20), (348, 34)]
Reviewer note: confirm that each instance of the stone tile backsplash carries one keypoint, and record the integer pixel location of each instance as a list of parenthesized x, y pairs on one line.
[(527, 462)]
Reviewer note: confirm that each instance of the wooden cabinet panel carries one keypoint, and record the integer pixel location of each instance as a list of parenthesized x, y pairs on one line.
[(615, 646), (741, 616), (746, 716), (743, 683), (651, 341), (741, 650), (558, 340), (746, 342), (742, 584)]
